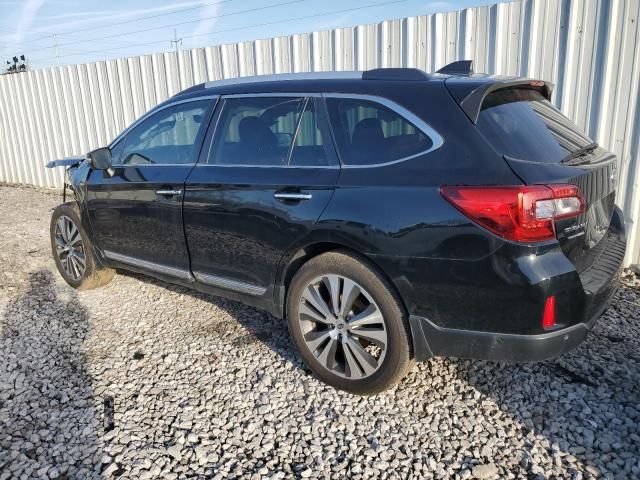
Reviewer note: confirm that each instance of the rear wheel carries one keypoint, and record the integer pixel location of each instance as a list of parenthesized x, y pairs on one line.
[(73, 251), (348, 325)]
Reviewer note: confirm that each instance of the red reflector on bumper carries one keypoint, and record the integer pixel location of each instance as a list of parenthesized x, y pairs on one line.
[(549, 315)]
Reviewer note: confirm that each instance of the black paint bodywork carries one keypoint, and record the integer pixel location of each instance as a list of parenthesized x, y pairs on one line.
[(468, 292)]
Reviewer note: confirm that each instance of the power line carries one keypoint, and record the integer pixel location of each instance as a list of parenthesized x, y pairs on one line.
[(105, 25), (265, 24), (106, 56), (50, 35), (147, 17), (250, 10), (54, 46), (28, 43), (80, 52), (115, 43)]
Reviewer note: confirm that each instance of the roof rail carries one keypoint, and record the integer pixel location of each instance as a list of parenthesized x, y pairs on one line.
[(375, 74), (283, 77), (461, 67), (395, 74)]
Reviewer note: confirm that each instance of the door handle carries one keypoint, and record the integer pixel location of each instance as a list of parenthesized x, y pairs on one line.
[(169, 192), (294, 196)]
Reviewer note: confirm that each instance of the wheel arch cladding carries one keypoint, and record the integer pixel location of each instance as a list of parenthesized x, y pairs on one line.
[(292, 262)]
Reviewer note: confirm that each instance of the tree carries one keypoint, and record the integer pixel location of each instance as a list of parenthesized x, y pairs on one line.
[(17, 65)]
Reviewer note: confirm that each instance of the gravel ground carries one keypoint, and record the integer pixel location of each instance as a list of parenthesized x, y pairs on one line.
[(143, 379)]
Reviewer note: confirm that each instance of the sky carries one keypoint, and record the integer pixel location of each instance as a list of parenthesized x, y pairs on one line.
[(93, 30)]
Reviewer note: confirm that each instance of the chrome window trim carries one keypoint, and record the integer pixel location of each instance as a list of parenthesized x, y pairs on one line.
[(285, 77), (156, 109), (229, 284), (424, 127), (302, 95), (324, 167), (296, 130), (436, 139), (152, 266), (143, 165)]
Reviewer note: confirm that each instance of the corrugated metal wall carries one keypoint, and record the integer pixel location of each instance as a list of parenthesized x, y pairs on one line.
[(588, 48)]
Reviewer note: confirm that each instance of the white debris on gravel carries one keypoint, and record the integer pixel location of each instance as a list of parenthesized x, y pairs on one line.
[(143, 379)]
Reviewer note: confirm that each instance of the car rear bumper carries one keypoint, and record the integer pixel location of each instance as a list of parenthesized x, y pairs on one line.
[(598, 285), (430, 340)]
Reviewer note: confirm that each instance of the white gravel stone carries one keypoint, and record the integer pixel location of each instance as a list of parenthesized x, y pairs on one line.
[(483, 472), (209, 388)]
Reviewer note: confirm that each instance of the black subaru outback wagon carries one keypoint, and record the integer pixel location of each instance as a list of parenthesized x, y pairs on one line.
[(389, 215)]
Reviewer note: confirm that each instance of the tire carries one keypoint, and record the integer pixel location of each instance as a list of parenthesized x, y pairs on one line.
[(71, 247), (371, 318)]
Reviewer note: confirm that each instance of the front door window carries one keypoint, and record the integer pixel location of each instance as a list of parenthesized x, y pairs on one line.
[(166, 137)]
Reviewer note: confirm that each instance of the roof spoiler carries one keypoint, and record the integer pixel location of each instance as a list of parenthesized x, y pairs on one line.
[(471, 96), (461, 67)]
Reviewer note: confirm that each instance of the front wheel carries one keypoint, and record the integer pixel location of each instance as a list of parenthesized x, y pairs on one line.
[(73, 251), (348, 324)]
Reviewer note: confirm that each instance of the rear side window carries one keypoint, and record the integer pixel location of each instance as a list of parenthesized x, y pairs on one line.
[(368, 133), (166, 137), (256, 131), (522, 124)]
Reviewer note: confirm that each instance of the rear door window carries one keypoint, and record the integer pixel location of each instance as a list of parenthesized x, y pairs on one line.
[(256, 131), (522, 124), (312, 146), (369, 133)]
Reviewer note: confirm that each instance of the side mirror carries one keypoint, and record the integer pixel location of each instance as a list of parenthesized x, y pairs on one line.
[(100, 159)]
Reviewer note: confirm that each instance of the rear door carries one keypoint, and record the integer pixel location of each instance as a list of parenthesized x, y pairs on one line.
[(542, 146), (268, 174), (135, 208)]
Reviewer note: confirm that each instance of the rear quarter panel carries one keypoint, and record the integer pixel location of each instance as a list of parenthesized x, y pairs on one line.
[(445, 267)]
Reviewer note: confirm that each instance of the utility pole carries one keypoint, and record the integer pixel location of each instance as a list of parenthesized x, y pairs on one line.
[(177, 41), (55, 45)]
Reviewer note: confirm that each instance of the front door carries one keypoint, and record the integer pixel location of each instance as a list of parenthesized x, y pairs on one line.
[(135, 208), (270, 172)]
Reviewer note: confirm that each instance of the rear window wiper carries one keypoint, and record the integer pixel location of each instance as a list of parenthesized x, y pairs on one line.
[(579, 153)]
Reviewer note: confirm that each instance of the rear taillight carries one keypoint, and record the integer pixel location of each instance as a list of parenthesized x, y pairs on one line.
[(518, 213)]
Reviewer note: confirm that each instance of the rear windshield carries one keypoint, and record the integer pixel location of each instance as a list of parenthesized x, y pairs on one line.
[(521, 123)]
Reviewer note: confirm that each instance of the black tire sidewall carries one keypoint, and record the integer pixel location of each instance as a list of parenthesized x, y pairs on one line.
[(398, 353), (71, 211)]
